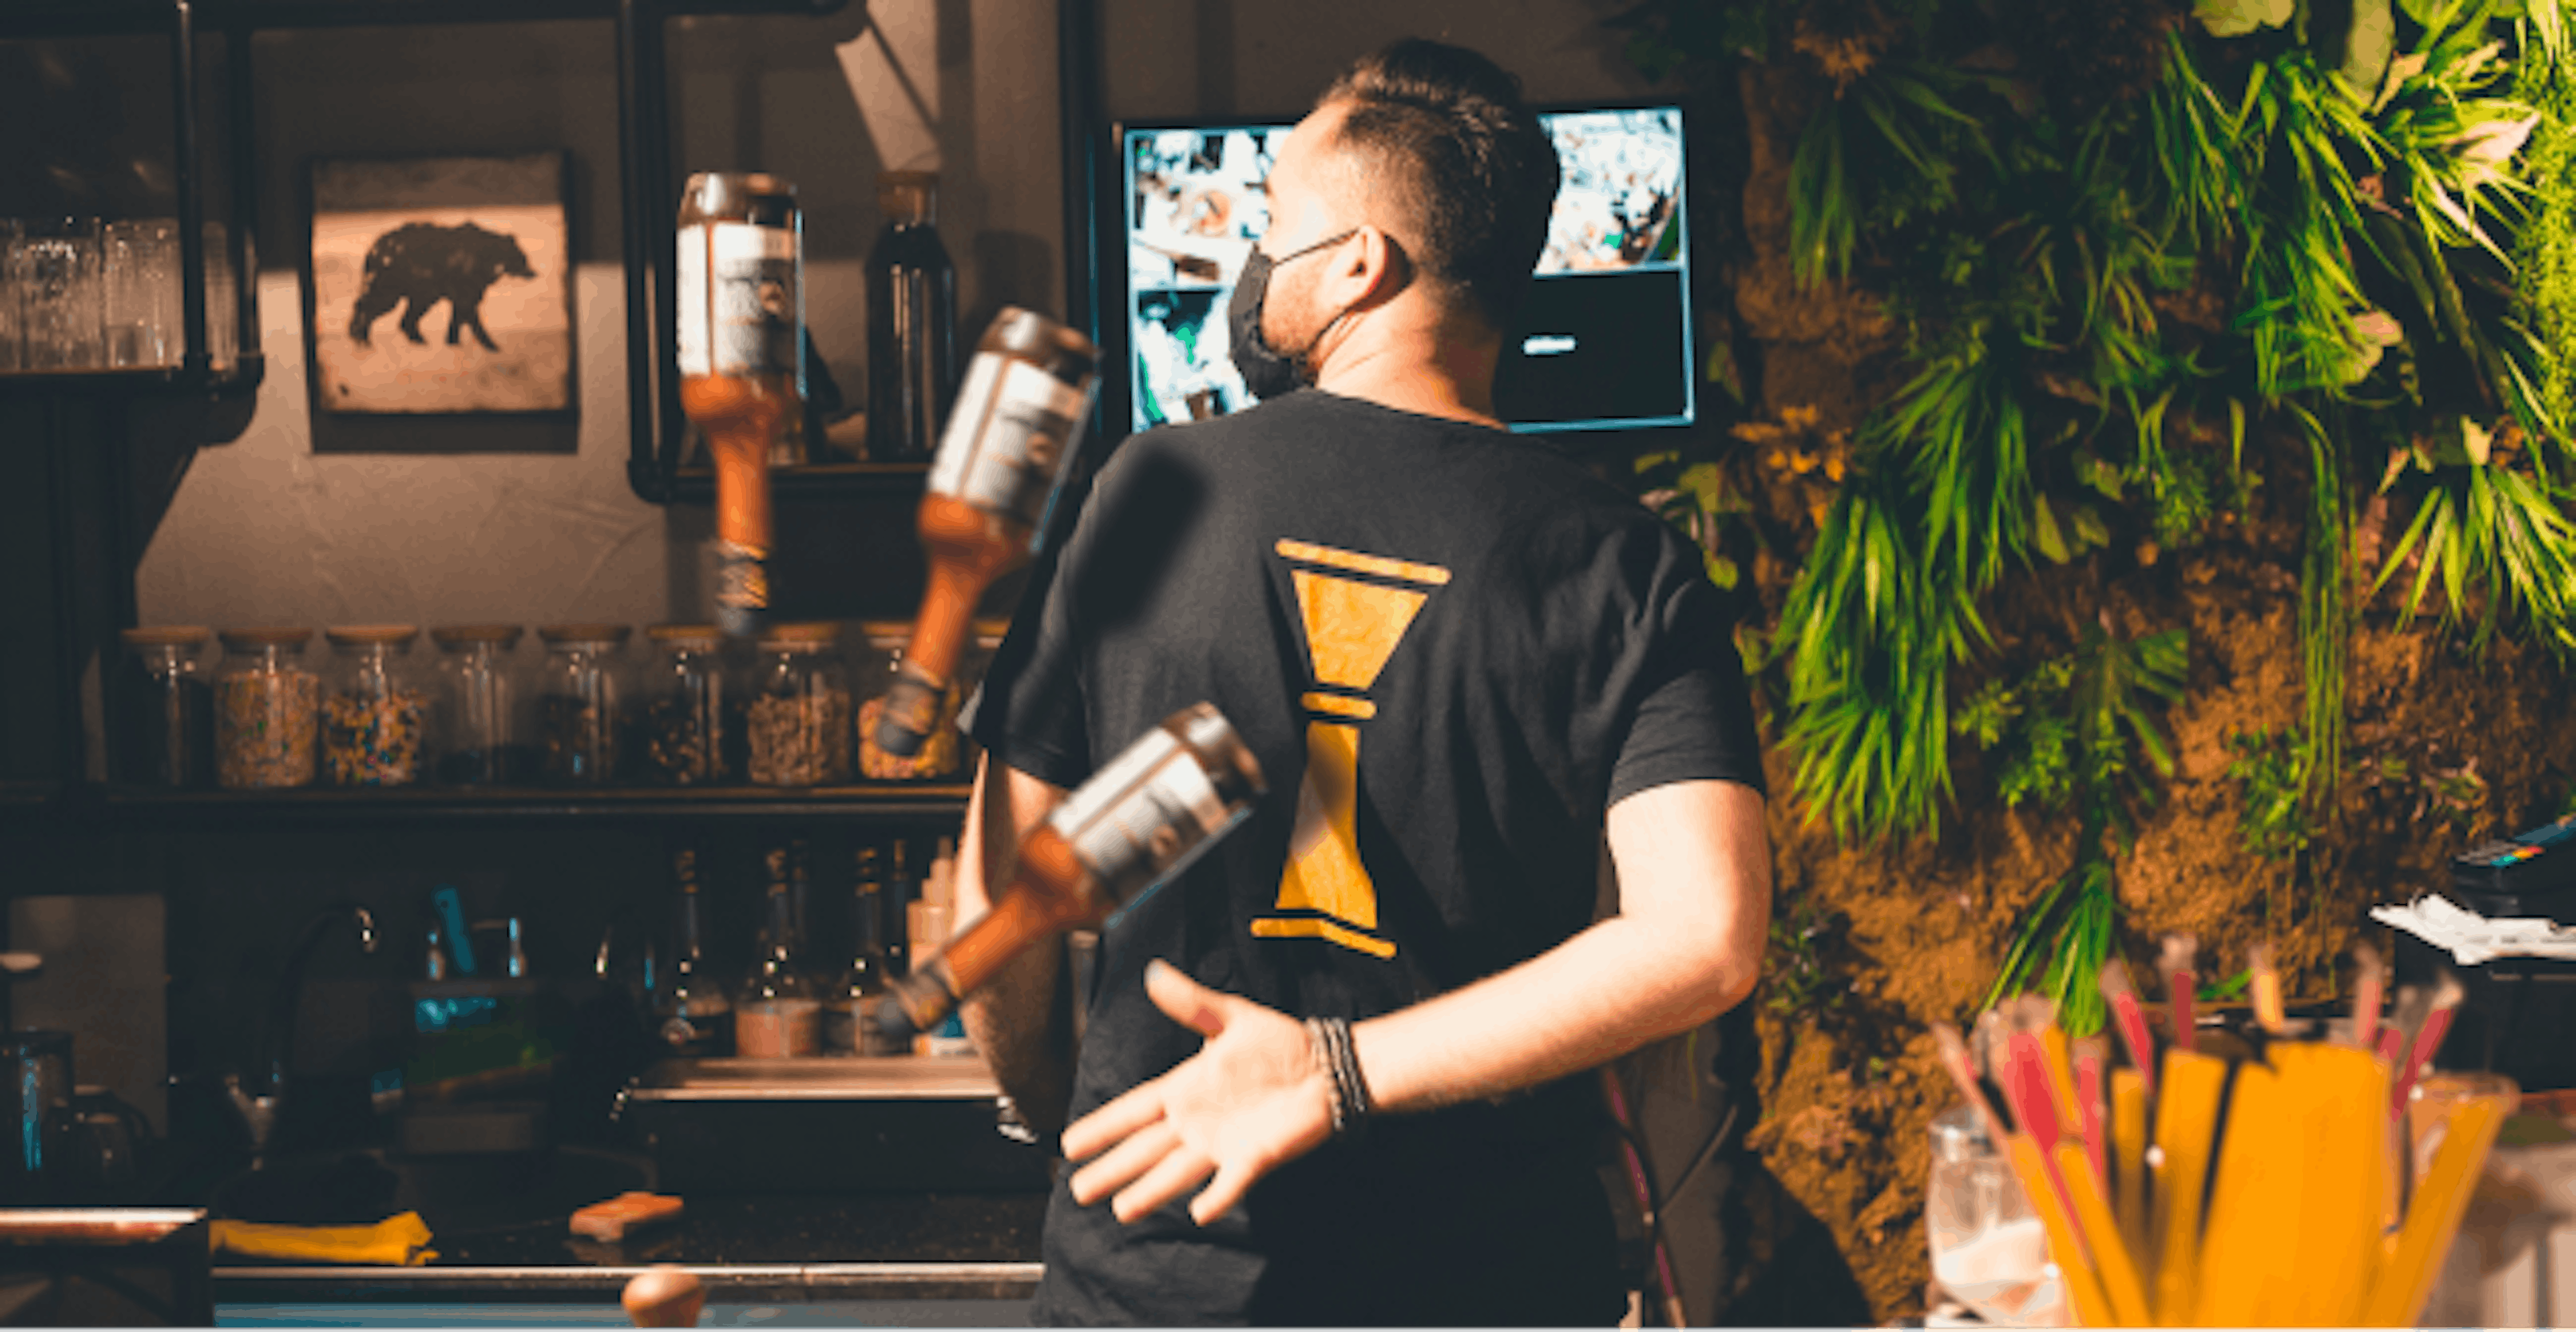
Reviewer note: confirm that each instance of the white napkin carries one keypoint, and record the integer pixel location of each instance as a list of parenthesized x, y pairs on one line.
[(2473, 939)]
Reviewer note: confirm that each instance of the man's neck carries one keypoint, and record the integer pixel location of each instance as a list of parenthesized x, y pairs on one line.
[(1438, 369)]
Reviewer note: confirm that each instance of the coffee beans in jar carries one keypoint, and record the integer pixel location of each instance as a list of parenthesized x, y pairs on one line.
[(684, 712), (800, 716)]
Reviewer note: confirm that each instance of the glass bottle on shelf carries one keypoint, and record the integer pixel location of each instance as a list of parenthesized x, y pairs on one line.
[(850, 1007), (800, 708), (577, 702), (267, 707), (482, 729), (912, 321), (778, 1014), (692, 1013), (170, 740), (682, 717), (898, 898), (373, 719)]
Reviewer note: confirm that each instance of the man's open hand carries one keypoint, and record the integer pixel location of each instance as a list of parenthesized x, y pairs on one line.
[(1252, 1098)]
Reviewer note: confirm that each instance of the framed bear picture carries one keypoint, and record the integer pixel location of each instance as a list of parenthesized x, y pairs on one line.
[(439, 286)]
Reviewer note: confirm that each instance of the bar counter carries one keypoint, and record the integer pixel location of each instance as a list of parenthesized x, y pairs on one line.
[(779, 1248)]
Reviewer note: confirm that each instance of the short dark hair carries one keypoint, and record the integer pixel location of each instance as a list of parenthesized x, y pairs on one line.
[(1469, 165)]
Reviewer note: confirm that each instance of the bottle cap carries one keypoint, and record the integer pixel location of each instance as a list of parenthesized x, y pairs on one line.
[(812, 633), (686, 635), (909, 198)]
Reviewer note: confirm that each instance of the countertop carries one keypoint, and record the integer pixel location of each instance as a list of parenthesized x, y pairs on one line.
[(771, 1247)]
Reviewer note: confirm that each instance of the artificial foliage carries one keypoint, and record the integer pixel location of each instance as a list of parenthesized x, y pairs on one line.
[(2139, 258)]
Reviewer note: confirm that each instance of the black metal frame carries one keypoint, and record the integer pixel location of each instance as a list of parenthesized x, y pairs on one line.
[(195, 370)]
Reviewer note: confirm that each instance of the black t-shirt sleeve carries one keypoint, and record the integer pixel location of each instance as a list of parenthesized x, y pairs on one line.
[(1692, 718)]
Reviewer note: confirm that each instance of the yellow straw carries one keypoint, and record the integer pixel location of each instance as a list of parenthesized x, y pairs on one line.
[(2119, 1272), (2414, 1256), (2325, 1265), (2083, 1287), (2186, 1121), (2253, 1206), (2129, 1156)]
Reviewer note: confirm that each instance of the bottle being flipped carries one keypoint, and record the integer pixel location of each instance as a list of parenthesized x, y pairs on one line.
[(1136, 824), (741, 309), (1002, 459), (693, 1016)]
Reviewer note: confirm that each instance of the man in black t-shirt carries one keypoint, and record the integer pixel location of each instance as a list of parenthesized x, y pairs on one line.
[(1464, 665)]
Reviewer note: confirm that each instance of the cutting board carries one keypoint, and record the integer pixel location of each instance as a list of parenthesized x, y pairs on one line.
[(106, 981)]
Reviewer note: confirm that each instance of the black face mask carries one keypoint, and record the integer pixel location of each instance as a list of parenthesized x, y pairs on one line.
[(1267, 371)]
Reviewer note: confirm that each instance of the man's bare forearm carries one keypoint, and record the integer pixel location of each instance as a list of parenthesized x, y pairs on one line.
[(1022, 1020), (1695, 889)]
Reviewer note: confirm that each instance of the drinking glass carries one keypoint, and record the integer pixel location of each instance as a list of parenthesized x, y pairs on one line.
[(223, 326), (143, 309), (10, 230), (56, 265), (1988, 1250)]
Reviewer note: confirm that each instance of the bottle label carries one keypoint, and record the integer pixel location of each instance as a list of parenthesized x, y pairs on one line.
[(1007, 444), (778, 1029), (1140, 818), (739, 300)]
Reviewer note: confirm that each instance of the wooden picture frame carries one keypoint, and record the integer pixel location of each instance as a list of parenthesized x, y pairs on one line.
[(440, 286)]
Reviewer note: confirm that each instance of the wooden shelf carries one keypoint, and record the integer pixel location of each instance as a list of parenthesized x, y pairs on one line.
[(869, 801), (55, 18), (241, 378), (697, 485)]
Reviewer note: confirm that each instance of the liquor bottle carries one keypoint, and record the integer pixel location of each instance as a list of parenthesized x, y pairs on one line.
[(741, 310), (850, 1009), (898, 901), (693, 1016), (1139, 821), (1002, 458), (912, 321), (778, 1014)]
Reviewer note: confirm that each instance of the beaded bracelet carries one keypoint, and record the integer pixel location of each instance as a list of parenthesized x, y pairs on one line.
[(1347, 1090)]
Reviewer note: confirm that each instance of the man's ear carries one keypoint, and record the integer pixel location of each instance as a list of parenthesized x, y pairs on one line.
[(1373, 271)]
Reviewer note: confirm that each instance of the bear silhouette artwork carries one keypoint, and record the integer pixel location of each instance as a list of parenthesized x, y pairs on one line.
[(423, 263)]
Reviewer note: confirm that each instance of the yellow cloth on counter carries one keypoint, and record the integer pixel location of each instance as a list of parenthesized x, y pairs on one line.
[(400, 1241)]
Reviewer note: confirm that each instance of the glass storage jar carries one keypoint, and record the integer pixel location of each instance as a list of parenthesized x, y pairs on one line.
[(481, 712), (577, 702), (170, 735), (800, 708), (374, 715), (266, 709), (684, 710), (942, 755)]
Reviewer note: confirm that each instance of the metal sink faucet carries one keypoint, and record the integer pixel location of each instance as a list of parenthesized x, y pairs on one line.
[(277, 1040)]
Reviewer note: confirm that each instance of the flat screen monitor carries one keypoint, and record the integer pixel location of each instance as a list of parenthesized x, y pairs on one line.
[(1601, 342)]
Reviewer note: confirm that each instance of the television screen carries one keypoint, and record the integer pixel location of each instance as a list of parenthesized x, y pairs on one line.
[(1602, 341)]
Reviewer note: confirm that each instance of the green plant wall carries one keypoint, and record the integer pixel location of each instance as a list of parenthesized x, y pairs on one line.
[(2134, 263)]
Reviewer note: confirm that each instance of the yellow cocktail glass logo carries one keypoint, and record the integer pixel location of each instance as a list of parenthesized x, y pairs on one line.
[(1353, 625)]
